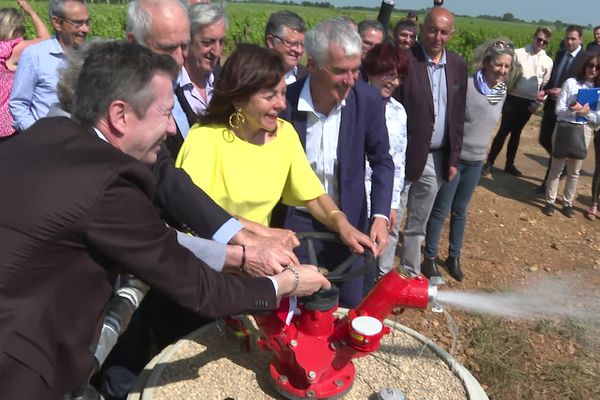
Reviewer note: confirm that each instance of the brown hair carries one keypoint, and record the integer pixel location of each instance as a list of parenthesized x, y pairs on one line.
[(580, 75), (386, 57), (248, 69)]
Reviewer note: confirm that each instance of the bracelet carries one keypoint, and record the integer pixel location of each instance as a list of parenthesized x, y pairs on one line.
[(332, 213), (243, 263), (296, 276)]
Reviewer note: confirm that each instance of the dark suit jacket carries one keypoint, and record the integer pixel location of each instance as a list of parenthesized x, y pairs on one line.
[(549, 119), (174, 142), (74, 212), (184, 205), (302, 72), (571, 72), (362, 133), (416, 97)]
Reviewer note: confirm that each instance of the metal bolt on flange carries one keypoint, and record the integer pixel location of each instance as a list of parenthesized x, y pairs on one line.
[(293, 343), (338, 382), (312, 374), (283, 378), (310, 393)]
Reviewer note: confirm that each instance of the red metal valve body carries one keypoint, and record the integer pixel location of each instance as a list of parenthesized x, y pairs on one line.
[(312, 356)]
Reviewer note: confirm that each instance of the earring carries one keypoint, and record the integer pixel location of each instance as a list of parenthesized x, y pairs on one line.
[(237, 119)]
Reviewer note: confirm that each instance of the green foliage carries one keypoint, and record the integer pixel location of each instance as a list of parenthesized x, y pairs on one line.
[(247, 24)]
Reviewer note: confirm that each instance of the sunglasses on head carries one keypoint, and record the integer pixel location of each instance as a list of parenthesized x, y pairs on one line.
[(503, 44)]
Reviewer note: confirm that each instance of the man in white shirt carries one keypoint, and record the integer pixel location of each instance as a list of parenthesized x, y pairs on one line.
[(340, 120), (285, 34), (208, 27)]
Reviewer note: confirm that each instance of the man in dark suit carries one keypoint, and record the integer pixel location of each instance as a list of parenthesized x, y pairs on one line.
[(285, 34), (434, 96), (565, 66), (340, 121), (163, 27), (76, 209)]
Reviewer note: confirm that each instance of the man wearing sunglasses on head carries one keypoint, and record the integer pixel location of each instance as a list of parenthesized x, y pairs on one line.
[(34, 88), (524, 98)]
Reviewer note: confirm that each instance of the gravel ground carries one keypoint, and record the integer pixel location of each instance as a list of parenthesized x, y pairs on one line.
[(210, 365)]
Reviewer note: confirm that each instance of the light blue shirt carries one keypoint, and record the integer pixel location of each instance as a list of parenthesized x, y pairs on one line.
[(34, 87), (439, 92)]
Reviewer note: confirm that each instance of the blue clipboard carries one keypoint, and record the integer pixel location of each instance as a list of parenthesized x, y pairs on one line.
[(589, 96)]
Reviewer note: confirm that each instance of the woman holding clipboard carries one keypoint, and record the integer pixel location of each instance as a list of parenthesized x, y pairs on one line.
[(576, 115)]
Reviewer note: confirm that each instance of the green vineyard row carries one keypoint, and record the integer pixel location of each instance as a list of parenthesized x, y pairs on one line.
[(247, 22)]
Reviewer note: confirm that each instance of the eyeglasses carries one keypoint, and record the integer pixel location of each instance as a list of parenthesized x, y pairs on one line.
[(78, 23), (541, 41), (503, 44), (289, 44), (593, 66), (391, 76)]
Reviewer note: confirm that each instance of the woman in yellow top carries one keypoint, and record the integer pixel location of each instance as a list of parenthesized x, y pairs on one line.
[(246, 158)]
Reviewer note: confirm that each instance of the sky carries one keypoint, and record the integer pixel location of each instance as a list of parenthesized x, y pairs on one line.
[(581, 12)]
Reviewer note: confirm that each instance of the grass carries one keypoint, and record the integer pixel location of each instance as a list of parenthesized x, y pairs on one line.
[(518, 360)]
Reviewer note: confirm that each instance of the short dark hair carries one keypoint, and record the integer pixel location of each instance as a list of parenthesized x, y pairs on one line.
[(117, 70), (406, 24), (284, 19), (596, 28), (580, 73), (574, 28), (370, 24), (247, 70), (56, 8), (386, 57)]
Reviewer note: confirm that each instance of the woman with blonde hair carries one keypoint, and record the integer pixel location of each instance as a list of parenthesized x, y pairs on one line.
[(12, 44), (495, 70)]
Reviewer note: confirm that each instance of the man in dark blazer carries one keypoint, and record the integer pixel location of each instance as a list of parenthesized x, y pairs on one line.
[(566, 64), (434, 96), (81, 212), (340, 121), (284, 33)]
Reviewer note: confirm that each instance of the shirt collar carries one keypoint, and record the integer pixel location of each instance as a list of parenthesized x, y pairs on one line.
[(184, 80), (100, 134), (305, 101), (55, 47), (430, 60), (575, 52)]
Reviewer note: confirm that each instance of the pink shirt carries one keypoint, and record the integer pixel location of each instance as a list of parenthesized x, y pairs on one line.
[(6, 83)]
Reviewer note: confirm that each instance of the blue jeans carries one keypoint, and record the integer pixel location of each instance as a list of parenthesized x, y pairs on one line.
[(454, 195)]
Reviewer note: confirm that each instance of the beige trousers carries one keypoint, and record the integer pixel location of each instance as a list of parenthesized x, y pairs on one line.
[(573, 167)]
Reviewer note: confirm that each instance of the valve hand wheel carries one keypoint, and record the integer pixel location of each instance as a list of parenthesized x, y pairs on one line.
[(341, 273)]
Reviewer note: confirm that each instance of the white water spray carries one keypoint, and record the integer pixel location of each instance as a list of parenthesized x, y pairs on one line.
[(558, 297)]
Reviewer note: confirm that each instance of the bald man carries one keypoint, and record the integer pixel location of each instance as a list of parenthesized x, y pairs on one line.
[(435, 129)]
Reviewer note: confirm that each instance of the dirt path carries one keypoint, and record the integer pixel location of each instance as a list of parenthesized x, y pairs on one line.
[(509, 243)]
